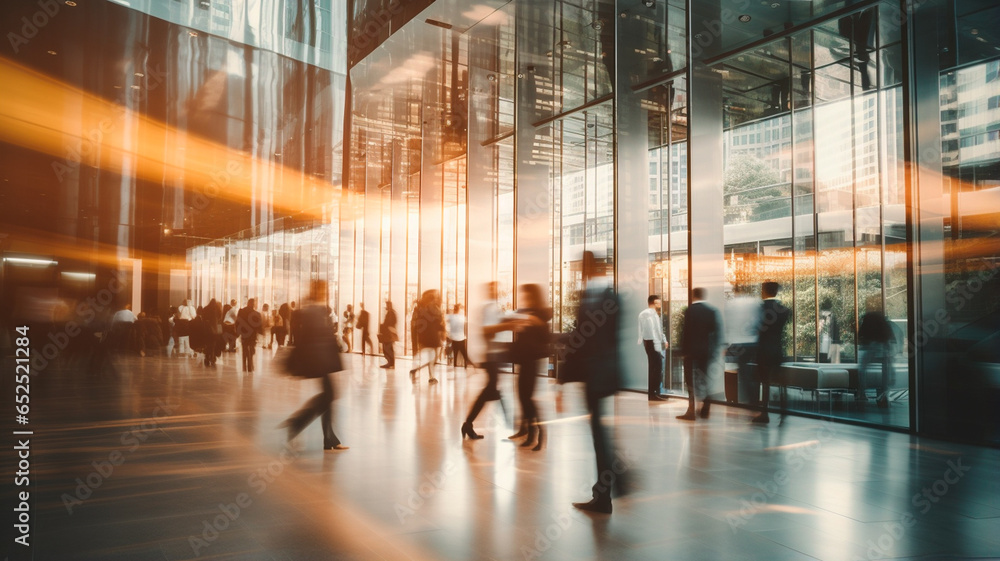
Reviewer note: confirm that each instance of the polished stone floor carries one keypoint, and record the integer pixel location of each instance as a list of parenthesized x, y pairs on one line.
[(203, 472)]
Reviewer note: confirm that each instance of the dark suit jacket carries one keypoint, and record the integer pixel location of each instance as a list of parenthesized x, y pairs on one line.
[(700, 338), (363, 318), (387, 328), (592, 347), (773, 317), (248, 323)]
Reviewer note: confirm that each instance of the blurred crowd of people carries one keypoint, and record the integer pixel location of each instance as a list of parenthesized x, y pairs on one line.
[(752, 336)]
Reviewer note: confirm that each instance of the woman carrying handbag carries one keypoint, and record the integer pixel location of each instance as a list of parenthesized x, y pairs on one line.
[(315, 355)]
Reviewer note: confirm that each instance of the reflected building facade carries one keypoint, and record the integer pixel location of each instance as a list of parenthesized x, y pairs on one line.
[(696, 144)]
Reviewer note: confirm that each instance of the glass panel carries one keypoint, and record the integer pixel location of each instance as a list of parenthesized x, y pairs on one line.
[(970, 153), (666, 116), (814, 198)]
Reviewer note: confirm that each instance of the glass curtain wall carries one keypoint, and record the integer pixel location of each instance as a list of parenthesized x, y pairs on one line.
[(274, 268), (521, 125), (969, 95), (815, 200), (666, 109)]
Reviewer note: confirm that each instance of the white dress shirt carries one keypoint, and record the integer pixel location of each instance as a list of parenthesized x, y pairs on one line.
[(187, 312), (456, 327), (650, 328), (742, 319)]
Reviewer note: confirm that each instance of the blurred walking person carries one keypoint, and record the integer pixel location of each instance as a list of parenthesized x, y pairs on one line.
[(248, 326), (428, 322), (317, 355), (770, 348), (457, 337), (875, 340), (229, 314), (293, 322), (278, 327), (700, 345), (592, 358), (349, 329), (493, 324), (212, 314), (530, 349), (742, 318), (364, 324), (185, 315), (387, 336), (266, 324)]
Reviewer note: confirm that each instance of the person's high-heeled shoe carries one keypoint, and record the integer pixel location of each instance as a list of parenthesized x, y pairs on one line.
[(532, 433), (468, 432), (521, 433), (541, 439)]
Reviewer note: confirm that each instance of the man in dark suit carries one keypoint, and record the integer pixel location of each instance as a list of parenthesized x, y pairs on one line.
[(248, 325), (700, 344), (770, 348), (364, 323), (592, 358), (387, 336)]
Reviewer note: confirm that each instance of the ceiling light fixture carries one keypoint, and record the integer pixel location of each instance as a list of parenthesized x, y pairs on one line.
[(139, 74), (52, 52), (745, 18), (70, 3), (29, 261), (775, 4), (649, 3), (597, 25)]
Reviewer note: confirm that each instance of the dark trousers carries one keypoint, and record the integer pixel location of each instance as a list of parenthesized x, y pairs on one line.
[(214, 341), (229, 333), (249, 348), (695, 373), (320, 405), (743, 354), (767, 373), (867, 354), (527, 379), (490, 393), (606, 477), (389, 350), (366, 339), (654, 360), (460, 347)]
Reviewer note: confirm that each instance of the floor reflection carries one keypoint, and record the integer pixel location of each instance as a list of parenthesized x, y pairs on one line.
[(171, 460)]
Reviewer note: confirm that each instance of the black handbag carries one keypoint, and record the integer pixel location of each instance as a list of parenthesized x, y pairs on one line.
[(314, 360)]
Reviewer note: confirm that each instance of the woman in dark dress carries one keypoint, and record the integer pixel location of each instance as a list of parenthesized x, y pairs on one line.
[(530, 348)]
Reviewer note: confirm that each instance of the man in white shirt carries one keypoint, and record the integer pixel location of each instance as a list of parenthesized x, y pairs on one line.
[(742, 318), (124, 315), (185, 314), (497, 334), (456, 334), (655, 342), (229, 325)]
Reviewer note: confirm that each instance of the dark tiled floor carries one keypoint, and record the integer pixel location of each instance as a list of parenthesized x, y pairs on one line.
[(409, 488)]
